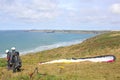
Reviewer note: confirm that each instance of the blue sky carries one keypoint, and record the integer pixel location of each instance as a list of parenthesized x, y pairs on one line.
[(60, 14)]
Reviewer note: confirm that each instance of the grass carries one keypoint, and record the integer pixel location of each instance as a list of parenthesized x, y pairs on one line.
[(3, 62), (104, 44)]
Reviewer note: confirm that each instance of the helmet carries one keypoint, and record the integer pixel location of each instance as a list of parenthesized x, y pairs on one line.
[(13, 48), (7, 51)]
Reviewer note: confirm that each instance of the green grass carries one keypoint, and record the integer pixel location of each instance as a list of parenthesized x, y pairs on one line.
[(104, 44), (3, 63)]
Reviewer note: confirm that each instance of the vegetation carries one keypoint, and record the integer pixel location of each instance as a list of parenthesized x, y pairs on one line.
[(3, 63), (104, 44)]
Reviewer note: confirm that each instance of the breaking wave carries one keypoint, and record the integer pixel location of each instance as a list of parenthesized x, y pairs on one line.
[(48, 47)]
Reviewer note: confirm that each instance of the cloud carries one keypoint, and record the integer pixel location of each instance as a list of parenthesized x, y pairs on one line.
[(115, 8), (59, 11), (33, 10), (39, 10)]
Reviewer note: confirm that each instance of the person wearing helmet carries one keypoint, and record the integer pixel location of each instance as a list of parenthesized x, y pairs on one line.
[(15, 60), (8, 59)]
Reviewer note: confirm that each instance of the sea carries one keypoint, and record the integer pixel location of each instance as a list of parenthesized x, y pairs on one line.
[(30, 42)]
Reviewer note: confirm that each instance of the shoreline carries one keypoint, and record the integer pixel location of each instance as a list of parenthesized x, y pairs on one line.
[(48, 47)]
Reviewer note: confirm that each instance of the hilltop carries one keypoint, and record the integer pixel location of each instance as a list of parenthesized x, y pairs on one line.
[(104, 44)]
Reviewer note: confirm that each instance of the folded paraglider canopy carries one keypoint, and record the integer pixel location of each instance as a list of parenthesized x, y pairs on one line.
[(105, 58)]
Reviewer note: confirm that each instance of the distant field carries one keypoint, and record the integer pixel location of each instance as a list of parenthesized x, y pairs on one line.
[(104, 44)]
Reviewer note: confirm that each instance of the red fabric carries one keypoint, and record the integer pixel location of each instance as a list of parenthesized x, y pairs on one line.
[(110, 61)]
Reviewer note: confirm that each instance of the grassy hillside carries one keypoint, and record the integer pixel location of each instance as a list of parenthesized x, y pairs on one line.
[(108, 43)]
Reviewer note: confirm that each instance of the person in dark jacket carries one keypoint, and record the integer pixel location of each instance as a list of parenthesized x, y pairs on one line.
[(15, 60), (8, 59)]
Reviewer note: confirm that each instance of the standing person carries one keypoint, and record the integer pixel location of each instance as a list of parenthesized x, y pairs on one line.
[(15, 60), (8, 59)]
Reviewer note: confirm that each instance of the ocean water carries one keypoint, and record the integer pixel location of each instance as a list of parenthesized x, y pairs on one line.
[(27, 42)]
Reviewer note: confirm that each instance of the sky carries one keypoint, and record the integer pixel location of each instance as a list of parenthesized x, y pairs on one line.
[(60, 14)]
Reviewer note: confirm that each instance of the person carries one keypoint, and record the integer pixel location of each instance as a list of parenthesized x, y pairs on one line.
[(8, 58), (15, 60)]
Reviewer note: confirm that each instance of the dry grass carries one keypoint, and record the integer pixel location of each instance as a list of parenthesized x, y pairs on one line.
[(99, 45)]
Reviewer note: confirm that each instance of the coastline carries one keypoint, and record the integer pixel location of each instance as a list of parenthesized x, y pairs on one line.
[(49, 47), (104, 44), (70, 31), (60, 40)]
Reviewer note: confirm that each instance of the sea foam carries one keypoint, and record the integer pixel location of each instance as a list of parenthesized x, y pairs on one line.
[(48, 47), (52, 46)]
